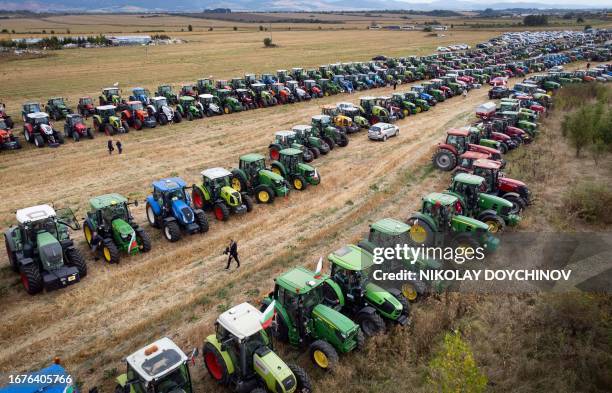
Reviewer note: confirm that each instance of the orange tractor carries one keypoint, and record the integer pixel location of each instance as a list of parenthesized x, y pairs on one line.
[(136, 116)]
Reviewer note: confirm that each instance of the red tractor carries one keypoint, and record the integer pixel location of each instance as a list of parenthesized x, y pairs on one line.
[(137, 117), (282, 94), (75, 128), (37, 129), (457, 142), (311, 87), (8, 141), (4, 116), (86, 107), (514, 191), (466, 161)]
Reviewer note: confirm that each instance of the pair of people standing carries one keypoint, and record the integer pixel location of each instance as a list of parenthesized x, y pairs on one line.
[(111, 148)]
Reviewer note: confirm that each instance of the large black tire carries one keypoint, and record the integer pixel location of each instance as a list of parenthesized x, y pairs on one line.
[(145, 240), (163, 119), (248, 201), (518, 203), (74, 258), (324, 148), (503, 148), (137, 124), (75, 136), (361, 340), (215, 365), (221, 211), (315, 152), (172, 231), (464, 240), (126, 126), (344, 141), (444, 160), (109, 130), (421, 233), (281, 331), (110, 252), (31, 278), (371, 323), (329, 142), (496, 223), (201, 220), (60, 137), (189, 116), (152, 218), (260, 194), (323, 355), (299, 183), (177, 117), (304, 385), (39, 141), (90, 134), (11, 256), (9, 122)]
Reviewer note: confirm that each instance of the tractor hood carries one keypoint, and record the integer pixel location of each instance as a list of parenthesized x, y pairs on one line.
[(511, 182), (181, 209), (121, 227), (471, 222), (484, 149), (271, 175), (272, 369), (489, 200), (334, 319), (50, 251), (167, 111), (231, 195), (380, 296), (305, 167), (80, 127), (514, 130), (501, 136), (46, 129)]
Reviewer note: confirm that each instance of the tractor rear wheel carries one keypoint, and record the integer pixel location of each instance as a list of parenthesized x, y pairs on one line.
[(264, 194), (303, 383), (90, 134), (197, 196), (151, 216), (39, 141), (361, 340), (137, 124), (239, 182), (274, 153), (177, 118), (59, 137), (215, 364), (344, 141), (329, 142), (109, 130), (88, 233), (172, 231), (189, 116), (75, 136), (421, 233), (371, 323), (163, 119), (299, 183), (495, 223), (26, 135), (503, 148), (74, 258), (31, 278), (248, 201), (201, 220), (11, 256), (145, 240), (126, 127), (110, 252), (221, 211), (323, 355), (518, 203), (315, 152), (444, 160)]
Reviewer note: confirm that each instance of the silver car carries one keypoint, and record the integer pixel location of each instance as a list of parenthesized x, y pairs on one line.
[(382, 131)]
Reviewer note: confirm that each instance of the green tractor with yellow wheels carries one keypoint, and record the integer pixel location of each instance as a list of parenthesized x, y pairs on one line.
[(253, 178), (216, 194), (290, 165), (240, 355)]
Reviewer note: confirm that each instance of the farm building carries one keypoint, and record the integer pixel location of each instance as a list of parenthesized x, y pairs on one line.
[(129, 40)]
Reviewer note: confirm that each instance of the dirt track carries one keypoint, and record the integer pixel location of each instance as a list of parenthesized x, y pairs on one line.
[(178, 289)]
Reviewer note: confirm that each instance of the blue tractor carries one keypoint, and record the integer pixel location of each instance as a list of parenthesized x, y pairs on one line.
[(169, 208), (141, 94), (52, 379), (345, 84), (420, 90)]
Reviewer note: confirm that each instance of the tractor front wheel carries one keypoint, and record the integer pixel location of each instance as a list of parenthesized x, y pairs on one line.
[(518, 203), (75, 136), (90, 134), (109, 130), (323, 355), (201, 220), (299, 183), (303, 383), (172, 231), (163, 119), (31, 278), (329, 142), (110, 252), (248, 201), (344, 141), (197, 196), (215, 364), (264, 194), (60, 137), (221, 211), (189, 116), (495, 223), (39, 141), (444, 160), (137, 124), (371, 323), (464, 240), (74, 258), (177, 118), (145, 240), (420, 232), (315, 152), (503, 148)]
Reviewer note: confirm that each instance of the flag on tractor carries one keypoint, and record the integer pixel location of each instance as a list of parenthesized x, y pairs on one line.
[(268, 315)]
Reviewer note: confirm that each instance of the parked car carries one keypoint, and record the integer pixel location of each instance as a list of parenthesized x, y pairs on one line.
[(382, 131)]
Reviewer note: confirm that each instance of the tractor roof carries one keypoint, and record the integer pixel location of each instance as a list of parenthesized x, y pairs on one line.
[(291, 152), (323, 117), (34, 213), (206, 96), (102, 201), (110, 88), (473, 155), (38, 115), (251, 157), (257, 84), (242, 320), (367, 98), (443, 199), (169, 184), (134, 102), (301, 127), (351, 257), (285, 133), (458, 132), (187, 98), (215, 173), (299, 280), (390, 226), (105, 107), (157, 359), (468, 178), (309, 81), (158, 98), (487, 164)]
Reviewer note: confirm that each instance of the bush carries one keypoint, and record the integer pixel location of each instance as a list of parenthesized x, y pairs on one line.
[(268, 42), (453, 368), (535, 20), (189, 28), (591, 202)]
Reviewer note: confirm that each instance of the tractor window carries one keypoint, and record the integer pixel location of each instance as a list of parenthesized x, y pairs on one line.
[(175, 194), (132, 376), (178, 380)]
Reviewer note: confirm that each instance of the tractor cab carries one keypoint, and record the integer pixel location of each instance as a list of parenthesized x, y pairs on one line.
[(38, 119), (218, 182), (135, 106), (106, 111), (107, 209), (210, 103), (86, 106), (204, 85), (283, 76), (284, 138), (298, 74), (58, 102), (466, 160), (186, 101), (30, 107), (168, 191), (159, 102), (222, 84), (292, 158), (140, 94), (250, 79), (188, 90), (75, 119), (252, 164), (161, 367), (237, 83), (110, 95), (268, 79)]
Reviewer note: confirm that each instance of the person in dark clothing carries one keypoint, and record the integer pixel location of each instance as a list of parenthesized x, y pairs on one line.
[(588, 65), (110, 146), (232, 253), (394, 85), (119, 147)]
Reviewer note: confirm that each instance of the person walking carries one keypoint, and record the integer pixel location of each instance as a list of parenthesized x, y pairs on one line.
[(588, 65), (232, 253), (394, 84), (465, 93), (110, 146), (119, 146)]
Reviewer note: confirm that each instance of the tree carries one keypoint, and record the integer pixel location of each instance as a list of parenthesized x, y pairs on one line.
[(235, 28), (268, 42), (535, 20), (580, 20), (189, 28), (453, 368), (578, 126), (261, 28)]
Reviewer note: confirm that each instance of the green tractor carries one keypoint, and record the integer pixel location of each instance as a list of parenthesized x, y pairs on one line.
[(491, 209), (420, 104), (322, 126), (286, 139), (240, 355), (160, 367), (305, 136), (375, 113), (254, 178), (228, 102), (105, 120), (306, 305), (405, 106), (216, 194), (263, 96), (430, 88), (110, 96), (205, 86), (439, 222), (329, 87), (39, 248), (167, 92), (514, 105), (57, 108), (109, 228), (290, 165), (514, 119), (189, 108), (390, 233), (366, 302)]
